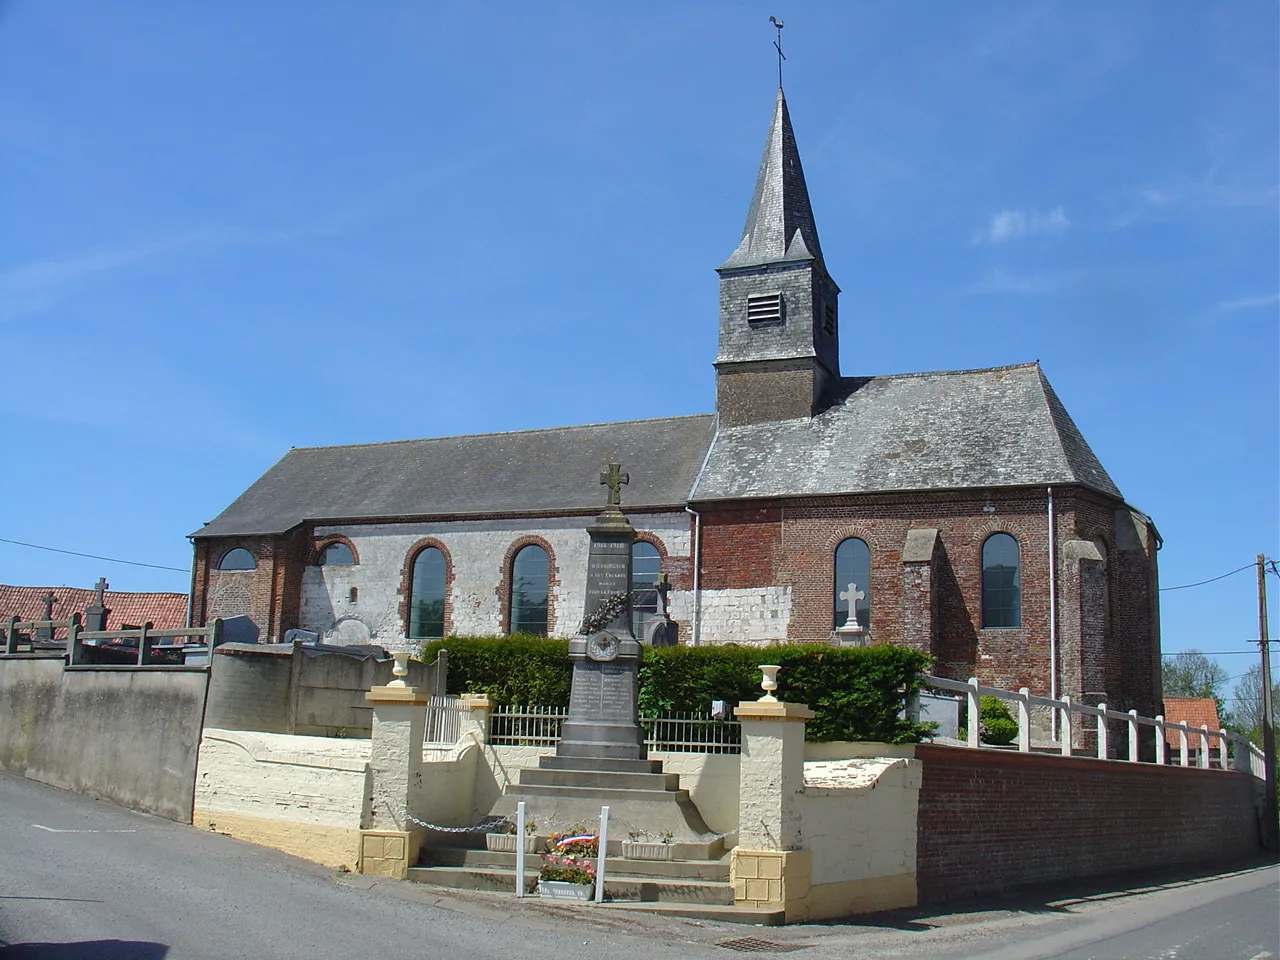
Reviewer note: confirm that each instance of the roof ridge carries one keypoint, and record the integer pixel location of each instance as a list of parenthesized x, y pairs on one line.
[(1031, 364), (505, 433)]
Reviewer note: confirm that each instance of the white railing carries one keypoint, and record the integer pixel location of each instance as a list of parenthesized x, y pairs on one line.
[(1245, 755), (444, 721), (674, 732)]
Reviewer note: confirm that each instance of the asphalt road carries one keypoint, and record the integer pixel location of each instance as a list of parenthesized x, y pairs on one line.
[(84, 879)]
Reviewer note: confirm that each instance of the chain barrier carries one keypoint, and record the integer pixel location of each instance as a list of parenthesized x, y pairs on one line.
[(488, 824)]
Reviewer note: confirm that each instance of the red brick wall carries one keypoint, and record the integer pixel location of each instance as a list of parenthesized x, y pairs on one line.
[(270, 594), (992, 821)]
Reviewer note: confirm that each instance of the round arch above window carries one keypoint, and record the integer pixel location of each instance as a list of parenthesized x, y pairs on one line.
[(1001, 582), (428, 587), (530, 590), (237, 558), (337, 554), (852, 569)]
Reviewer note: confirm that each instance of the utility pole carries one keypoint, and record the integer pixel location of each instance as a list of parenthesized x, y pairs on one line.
[(1268, 712)]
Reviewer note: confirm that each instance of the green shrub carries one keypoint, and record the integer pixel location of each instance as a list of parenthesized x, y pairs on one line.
[(993, 708), (855, 692), (515, 670), (999, 731)]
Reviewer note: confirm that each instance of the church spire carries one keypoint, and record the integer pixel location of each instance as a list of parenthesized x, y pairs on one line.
[(780, 225)]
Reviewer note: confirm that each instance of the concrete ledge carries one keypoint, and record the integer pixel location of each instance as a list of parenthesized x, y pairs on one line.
[(336, 847), (772, 710), (397, 695)]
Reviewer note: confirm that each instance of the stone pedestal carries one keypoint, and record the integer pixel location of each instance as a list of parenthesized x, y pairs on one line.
[(389, 840)]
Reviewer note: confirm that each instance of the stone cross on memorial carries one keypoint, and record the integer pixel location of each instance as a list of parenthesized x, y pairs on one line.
[(851, 630), (602, 721)]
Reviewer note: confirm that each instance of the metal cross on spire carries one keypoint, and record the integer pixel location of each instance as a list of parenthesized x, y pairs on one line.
[(777, 44)]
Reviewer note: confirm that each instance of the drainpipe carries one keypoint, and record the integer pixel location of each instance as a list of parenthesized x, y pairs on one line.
[(697, 569), (191, 593), (1053, 623)]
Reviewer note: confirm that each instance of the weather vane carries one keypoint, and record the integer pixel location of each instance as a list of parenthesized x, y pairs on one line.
[(777, 44)]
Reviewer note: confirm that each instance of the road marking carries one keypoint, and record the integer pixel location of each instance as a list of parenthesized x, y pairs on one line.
[(1262, 956), (41, 826)]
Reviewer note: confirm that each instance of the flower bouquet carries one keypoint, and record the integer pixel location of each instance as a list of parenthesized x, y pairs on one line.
[(569, 870)]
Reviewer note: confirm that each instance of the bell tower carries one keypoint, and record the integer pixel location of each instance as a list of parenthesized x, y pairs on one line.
[(779, 312)]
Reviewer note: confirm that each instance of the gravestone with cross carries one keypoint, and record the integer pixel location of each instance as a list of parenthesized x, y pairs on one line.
[(46, 602), (95, 615), (851, 631), (602, 720)]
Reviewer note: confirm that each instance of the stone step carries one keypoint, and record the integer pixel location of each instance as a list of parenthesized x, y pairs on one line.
[(715, 870), (603, 794), (595, 765), (604, 779), (634, 889)]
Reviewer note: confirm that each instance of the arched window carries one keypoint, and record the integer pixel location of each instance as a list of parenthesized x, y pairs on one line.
[(1001, 582), (646, 567), (530, 586), (426, 595), (853, 566), (337, 555), (237, 559)]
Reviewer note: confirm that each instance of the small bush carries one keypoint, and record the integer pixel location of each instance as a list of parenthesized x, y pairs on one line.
[(993, 708), (999, 731)]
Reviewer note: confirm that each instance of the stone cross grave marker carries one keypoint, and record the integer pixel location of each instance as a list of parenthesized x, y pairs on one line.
[(852, 596), (48, 600), (95, 615), (613, 478)]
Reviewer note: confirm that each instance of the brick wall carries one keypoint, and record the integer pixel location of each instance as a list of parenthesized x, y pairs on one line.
[(991, 821)]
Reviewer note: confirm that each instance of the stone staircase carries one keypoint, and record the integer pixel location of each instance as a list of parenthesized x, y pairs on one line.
[(690, 888)]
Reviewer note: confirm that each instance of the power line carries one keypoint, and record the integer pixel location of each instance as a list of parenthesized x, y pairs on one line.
[(94, 556), (1201, 583)]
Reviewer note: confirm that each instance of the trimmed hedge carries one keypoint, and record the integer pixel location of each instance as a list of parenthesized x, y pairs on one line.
[(855, 692)]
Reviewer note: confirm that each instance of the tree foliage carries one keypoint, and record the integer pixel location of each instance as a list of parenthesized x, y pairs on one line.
[(1192, 674), (1247, 710)]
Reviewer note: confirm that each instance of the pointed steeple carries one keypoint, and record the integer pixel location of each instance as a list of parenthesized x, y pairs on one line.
[(780, 226)]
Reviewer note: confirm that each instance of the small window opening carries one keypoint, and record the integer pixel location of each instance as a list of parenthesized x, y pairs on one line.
[(337, 555), (237, 559), (764, 309), (829, 321), (353, 595)]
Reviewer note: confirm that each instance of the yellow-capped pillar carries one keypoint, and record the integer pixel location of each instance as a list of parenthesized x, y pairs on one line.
[(769, 868), (389, 840)]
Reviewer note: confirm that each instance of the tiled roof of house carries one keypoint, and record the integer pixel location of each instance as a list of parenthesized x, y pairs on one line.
[(996, 427), (1193, 711), (161, 610)]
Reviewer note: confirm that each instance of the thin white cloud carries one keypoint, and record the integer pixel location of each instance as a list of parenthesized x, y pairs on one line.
[(1016, 224), (1003, 280), (1250, 303)]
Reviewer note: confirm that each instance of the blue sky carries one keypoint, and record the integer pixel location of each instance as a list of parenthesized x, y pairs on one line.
[(233, 228)]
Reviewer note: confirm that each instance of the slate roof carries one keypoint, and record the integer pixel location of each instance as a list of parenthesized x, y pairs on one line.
[(531, 471), (780, 224), (162, 610), (996, 427)]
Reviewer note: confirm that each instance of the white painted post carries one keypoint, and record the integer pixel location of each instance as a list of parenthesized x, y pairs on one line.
[(1162, 756), (602, 852), (1222, 748), (1024, 720), (520, 849), (1183, 747), (1204, 747), (1102, 731), (1066, 729), (1133, 736), (975, 713)]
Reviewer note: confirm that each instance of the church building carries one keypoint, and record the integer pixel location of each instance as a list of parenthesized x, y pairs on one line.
[(959, 512)]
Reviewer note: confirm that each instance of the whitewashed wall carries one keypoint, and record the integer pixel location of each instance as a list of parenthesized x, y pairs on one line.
[(477, 549), (748, 615)]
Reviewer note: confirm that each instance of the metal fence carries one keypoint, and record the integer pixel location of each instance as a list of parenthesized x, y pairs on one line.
[(1242, 754), (673, 733), (444, 721)]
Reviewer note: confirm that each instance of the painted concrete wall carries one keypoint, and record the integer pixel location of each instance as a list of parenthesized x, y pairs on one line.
[(303, 795), (124, 734), (744, 615), (478, 549)]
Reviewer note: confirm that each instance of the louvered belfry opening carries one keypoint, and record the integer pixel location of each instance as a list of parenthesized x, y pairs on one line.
[(764, 308)]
